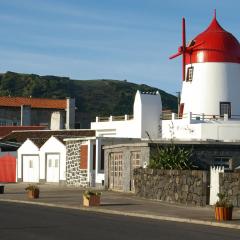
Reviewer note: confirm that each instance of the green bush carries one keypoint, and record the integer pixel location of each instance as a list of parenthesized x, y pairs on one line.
[(171, 157)]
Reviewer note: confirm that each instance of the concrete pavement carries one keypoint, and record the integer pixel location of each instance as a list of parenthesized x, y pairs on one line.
[(118, 203)]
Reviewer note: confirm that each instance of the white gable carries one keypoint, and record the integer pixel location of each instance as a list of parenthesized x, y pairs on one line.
[(28, 147), (52, 145)]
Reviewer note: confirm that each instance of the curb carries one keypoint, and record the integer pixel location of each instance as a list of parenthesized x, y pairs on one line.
[(130, 214)]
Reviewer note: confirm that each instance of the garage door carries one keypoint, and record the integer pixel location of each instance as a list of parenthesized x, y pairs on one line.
[(53, 161), (31, 168)]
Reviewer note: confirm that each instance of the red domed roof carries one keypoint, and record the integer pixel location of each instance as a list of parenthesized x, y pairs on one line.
[(214, 45)]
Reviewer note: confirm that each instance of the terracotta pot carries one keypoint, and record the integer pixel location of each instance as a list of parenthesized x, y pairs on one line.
[(223, 213), (93, 200), (33, 193)]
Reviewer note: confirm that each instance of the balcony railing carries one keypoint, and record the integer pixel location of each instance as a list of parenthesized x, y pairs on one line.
[(198, 117), (114, 118)]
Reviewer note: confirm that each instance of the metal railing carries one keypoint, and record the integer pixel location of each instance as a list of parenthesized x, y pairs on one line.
[(198, 117)]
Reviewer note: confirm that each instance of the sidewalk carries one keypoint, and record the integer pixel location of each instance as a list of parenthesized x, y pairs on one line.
[(118, 203)]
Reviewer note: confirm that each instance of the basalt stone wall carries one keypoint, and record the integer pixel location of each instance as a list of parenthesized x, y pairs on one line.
[(75, 175), (230, 185), (174, 186)]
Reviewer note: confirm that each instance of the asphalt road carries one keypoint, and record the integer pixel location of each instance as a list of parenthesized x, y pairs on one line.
[(21, 221)]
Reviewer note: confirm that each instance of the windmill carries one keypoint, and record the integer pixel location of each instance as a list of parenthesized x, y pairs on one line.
[(185, 49)]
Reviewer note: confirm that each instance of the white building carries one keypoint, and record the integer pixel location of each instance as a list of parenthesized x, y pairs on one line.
[(147, 110), (53, 156), (42, 160), (28, 162), (209, 106)]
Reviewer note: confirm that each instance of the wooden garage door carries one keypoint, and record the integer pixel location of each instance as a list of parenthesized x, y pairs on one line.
[(30, 168), (116, 171), (53, 167)]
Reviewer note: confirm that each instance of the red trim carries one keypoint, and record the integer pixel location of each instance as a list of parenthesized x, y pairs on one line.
[(181, 108)]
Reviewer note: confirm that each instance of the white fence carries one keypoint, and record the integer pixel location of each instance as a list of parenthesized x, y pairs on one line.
[(214, 183)]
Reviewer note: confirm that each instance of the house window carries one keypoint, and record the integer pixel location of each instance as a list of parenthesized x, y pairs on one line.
[(225, 162), (225, 108), (30, 163), (56, 163), (189, 74), (50, 163)]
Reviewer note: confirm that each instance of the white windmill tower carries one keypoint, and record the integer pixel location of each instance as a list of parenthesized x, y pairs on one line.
[(211, 72)]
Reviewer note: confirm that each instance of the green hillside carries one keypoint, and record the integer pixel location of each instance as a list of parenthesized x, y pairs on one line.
[(93, 97)]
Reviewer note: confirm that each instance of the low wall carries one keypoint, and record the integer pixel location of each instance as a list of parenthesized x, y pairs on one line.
[(174, 186), (230, 185)]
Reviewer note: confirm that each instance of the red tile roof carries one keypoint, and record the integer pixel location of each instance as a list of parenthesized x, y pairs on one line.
[(33, 102), (5, 130)]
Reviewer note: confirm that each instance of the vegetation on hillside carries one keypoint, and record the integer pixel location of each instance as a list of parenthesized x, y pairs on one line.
[(93, 97)]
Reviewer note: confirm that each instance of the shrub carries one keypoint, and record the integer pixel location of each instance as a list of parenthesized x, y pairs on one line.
[(171, 157)]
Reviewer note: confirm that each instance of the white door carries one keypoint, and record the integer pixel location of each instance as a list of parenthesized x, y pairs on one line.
[(53, 161), (31, 168)]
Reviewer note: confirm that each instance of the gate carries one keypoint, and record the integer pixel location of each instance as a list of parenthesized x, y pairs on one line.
[(214, 183), (134, 163), (7, 168)]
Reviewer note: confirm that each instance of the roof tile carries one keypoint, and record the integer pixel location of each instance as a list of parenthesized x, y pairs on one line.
[(33, 102)]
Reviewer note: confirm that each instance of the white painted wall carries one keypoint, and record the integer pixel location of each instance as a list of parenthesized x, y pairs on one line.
[(214, 183), (146, 117), (212, 83), (53, 145), (182, 129), (27, 148)]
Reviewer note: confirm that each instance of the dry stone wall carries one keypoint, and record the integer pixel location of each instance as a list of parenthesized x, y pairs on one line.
[(230, 185), (75, 175), (174, 186)]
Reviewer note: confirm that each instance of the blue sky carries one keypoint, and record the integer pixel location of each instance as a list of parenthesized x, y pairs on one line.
[(113, 39)]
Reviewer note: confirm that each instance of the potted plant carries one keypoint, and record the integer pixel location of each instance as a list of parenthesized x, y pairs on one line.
[(223, 208), (91, 198), (1, 189), (32, 191)]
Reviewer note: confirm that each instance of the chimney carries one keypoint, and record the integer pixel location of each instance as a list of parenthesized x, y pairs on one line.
[(25, 115), (70, 113)]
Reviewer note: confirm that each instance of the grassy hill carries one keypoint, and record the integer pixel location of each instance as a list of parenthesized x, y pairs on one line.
[(93, 97)]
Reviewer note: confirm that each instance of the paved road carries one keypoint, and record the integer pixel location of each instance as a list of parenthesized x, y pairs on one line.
[(20, 221)]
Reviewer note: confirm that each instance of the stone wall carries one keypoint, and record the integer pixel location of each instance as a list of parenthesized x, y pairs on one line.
[(230, 185), (75, 175), (174, 186)]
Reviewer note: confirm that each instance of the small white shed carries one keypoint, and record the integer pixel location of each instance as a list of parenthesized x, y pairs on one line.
[(53, 160), (28, 162), (42, 160)]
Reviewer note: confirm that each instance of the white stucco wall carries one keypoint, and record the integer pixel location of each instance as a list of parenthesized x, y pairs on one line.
[(212, 83), (146, 118), (53, 145), (215, 130), (27, 148)]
